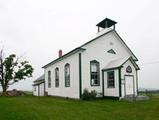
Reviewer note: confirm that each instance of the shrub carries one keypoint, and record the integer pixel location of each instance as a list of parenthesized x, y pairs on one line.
[(89, 95), (85, 95), (93, 94)]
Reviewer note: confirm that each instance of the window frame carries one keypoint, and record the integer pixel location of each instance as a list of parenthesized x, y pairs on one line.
[(110, 80), (49, 79), (35, 88), (98, 73), (111, 51), (129, 69), (57, 81), (67, 78)]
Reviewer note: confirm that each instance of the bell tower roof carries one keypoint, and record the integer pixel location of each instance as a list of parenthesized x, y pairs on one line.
[(106, 23)]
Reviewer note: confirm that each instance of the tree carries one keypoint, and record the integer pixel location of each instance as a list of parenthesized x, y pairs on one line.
[(13, 70)]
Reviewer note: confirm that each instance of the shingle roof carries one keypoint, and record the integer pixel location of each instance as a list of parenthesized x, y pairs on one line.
[(66, 55), (80, 48), (41, 78), (119, 62)]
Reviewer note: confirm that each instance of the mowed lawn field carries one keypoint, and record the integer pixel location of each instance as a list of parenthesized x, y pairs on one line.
[(50, 108)]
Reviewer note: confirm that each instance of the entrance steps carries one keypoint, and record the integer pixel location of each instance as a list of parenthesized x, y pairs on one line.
[(130, 97), (135, 98)]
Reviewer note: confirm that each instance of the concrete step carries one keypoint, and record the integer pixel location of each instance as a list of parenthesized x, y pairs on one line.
[(142, 98), (135, 98), (130, 97)]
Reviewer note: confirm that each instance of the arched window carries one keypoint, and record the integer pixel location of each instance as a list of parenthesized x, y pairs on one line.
[(49, 79), (67, 75), (95, 73), (57, 77)]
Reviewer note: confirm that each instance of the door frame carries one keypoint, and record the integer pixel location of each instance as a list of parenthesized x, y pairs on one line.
[(125, 83), (119, 78)]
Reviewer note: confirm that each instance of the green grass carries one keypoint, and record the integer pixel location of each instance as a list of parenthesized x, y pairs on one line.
[(50, 108)]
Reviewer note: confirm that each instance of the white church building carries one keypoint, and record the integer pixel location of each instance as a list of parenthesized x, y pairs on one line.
[(104, 64)]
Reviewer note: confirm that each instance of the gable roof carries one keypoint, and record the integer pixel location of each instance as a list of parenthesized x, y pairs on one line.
[(97, 37), (126, 45), (64, 56), (119, 62), (112, 30), (82, 49)]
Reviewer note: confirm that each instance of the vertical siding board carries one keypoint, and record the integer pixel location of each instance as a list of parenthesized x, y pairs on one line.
[(80, 77), (119, 82)]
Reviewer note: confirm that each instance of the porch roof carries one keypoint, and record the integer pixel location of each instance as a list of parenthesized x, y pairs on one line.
[(38, 83), (39, 80), (42, 77), (119, 62)]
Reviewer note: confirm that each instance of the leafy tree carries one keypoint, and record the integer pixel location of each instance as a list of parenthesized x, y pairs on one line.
[(13, 70)]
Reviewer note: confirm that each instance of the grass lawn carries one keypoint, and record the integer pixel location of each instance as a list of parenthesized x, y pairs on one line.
[(50, 108)]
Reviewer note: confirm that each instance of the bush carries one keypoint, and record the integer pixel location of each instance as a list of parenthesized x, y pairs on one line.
[(89, 95), (93, 94), (85, 95)]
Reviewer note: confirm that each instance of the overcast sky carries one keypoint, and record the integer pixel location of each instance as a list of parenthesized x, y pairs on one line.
[(37, 29)]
